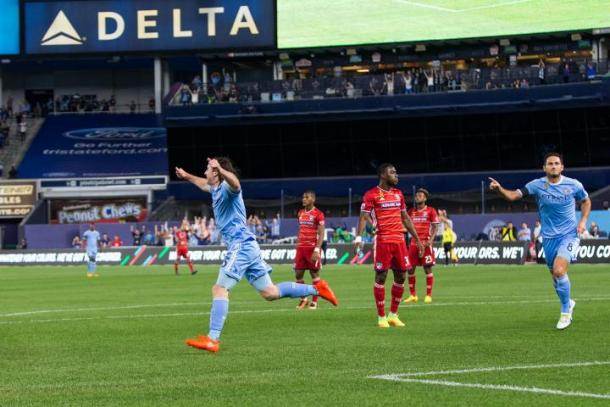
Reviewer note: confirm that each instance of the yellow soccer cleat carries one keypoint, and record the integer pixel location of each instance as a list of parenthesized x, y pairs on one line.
[(394, 321), (411, 299), (428, 300), (382, 322)]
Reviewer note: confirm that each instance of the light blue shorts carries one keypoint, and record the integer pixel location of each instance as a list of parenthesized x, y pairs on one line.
[(244, 259), (565, 246), (92, 254)]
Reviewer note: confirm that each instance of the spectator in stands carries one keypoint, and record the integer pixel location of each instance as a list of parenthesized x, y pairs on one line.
[(151, 104), (591, 71), (116, 242), (4, 116), (606, 206), (509, 232), (112, 103), (12, 174), (23, 245), (185, 96), (132, 106), (541, 72), (105, 240), (9, 106), (594, 231), (566, 72), (197, 83), (76, 242), (148, 237), (275, 227), (23, 129), (525, 234), (137, 236)]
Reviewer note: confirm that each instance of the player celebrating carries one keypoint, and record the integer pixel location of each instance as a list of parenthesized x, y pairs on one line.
[(556, 196), (182, 247), (384, 207), (425, 219), (92, 238), (243, 256), (309, 244)]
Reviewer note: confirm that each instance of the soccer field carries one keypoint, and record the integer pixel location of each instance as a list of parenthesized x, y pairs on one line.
[(317, 23), (489, 338)]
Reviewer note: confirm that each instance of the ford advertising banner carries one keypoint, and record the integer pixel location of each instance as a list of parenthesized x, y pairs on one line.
[(9, 27), (73, 146), (66, 27)]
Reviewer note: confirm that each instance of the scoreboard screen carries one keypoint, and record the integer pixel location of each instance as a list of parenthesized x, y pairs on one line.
[(9, 27), (327, 23)]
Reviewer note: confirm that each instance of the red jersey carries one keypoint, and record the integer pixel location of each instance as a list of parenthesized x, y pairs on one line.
[(422, 219), (182, 238), (386, 209), (308, 227)]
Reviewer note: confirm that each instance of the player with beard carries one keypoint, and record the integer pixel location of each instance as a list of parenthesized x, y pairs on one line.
[(556, 196), (425, 219), (384, 207)]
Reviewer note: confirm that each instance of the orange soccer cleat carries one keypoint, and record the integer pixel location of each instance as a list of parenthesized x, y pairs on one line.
[(325, 292), (204, 343)]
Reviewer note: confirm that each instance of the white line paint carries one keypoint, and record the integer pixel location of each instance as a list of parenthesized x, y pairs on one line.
[(410, 378), (430, 6), (363, 307), (508, 388), (493, 369), (464, 10)]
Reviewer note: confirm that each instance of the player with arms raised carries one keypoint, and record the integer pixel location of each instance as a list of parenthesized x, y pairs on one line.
[(309, 245), (182, 247), (556, 196), (384, 207), (243, 257), (425, 220)]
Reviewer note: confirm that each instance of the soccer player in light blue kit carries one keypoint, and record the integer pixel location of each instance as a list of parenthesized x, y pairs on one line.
[(92, 238), (243, 256), (556, 196)]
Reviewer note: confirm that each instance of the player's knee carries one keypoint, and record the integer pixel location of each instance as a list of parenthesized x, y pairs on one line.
[(381, 276), (219, 291)]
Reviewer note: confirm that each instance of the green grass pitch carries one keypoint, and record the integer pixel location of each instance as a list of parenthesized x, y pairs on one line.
[(316, 23), (118, 341)]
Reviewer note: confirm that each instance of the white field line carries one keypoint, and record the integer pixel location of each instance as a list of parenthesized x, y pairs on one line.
[(272, 310), (409, 378), (464, 10)]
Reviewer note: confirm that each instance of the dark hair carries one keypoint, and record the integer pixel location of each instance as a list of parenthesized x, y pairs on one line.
[(227, 164), (310, 192), (424, 191), (553, 154), (383, 168)]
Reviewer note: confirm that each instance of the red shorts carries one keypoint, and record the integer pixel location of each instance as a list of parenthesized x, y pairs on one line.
[(302, 261), (428, 259), (182, 252), (391, 256)]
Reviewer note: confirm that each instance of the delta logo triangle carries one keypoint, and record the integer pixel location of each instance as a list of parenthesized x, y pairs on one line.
[(61, 32)]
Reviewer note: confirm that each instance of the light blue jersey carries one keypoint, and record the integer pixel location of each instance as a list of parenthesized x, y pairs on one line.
[(557, 209), (243, 257), (92, 236), (557, 205), (230, 214)]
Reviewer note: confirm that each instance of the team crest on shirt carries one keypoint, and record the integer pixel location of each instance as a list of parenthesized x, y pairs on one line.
[(397, 196), (311, 218), (381, 196), (546, 185)]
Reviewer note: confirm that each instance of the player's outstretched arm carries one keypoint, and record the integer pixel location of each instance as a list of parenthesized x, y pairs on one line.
[(507, 194), (585, 210), (201, 183)]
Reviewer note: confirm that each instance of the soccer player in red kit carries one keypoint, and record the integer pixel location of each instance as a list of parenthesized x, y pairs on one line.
[(309, 243), (182, 248), (384, 206), (425, 219)]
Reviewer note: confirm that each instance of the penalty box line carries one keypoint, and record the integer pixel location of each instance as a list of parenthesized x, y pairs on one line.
[(411, 378)]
